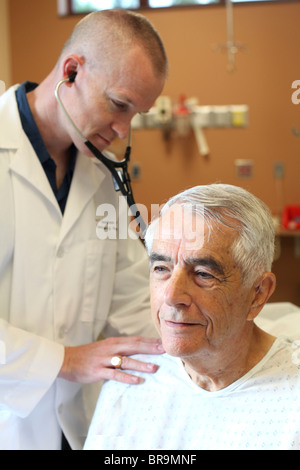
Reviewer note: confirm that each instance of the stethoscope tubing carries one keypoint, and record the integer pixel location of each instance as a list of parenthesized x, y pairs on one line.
[(118, 169)]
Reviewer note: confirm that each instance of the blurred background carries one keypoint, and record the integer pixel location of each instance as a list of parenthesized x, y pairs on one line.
[(261, 155)]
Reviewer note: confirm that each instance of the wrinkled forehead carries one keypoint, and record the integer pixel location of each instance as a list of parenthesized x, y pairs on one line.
[(184, 228), (181, 225)]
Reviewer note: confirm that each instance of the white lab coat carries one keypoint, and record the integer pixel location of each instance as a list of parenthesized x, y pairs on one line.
[(59, 285)]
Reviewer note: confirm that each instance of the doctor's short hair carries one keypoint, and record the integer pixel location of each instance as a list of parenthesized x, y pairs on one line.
[(102, 35), (233, 207)]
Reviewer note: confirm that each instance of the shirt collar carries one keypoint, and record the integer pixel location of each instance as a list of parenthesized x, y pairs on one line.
[(30, 128)]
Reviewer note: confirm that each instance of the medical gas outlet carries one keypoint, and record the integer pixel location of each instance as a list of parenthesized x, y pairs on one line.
[(205, 116), (189, 115)]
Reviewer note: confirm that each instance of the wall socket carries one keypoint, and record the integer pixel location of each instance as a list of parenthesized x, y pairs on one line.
[(136, 171), (279, 170), (244, 168)]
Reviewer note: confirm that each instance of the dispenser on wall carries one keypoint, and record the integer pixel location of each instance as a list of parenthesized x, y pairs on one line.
[(187, 115)]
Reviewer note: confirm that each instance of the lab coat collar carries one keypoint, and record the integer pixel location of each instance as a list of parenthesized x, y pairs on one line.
[(10, 122), (87, 179), (23, 161), (88, 175)]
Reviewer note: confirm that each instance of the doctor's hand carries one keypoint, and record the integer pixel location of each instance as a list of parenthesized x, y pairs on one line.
[(92, 362)]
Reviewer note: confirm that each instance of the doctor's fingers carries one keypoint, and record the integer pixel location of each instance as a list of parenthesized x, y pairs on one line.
[(128, 346), (128, 364), (118, 376)]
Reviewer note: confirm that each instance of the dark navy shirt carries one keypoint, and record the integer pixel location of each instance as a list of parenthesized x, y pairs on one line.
[(33, 134)]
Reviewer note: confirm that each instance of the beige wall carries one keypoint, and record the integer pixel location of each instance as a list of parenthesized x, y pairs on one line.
[(5, 69), (265, 71)]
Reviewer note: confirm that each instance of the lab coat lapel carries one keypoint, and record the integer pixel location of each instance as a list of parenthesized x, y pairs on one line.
[(24, 161), (26, 164), (88, 177)]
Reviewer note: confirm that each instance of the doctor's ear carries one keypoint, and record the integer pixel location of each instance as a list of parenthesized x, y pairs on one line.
[(71, 66), (264, 287)]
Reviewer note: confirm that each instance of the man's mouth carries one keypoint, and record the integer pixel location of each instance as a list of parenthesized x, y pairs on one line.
[(104, 141), (178, 324)]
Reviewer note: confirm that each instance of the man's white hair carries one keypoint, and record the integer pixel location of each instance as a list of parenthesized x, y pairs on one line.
[(236, 208)]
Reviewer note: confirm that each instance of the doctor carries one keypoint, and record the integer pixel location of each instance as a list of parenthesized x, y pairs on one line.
[(60, 285)]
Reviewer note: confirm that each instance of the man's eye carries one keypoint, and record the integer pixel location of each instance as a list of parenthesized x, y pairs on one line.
[(159, 269), (119, 105), (204, 275)]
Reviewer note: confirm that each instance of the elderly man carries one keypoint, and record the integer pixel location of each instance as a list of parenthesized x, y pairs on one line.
[(61, 285), (224, 383)]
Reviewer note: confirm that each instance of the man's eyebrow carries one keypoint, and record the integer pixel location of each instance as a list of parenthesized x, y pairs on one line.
[(208, 262), (119, 96), (154, 257)]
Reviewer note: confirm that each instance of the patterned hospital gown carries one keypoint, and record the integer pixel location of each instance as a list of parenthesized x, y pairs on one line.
[(168, 411)]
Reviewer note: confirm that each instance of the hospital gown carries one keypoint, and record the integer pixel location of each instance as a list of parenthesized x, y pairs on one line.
[(259, 411)]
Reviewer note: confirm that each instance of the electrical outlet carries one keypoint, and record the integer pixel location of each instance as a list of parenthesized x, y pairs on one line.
[(279, 170), (135, 171), (244, 168)]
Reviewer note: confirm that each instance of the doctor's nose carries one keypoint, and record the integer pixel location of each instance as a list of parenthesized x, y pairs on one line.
[(121, 128)]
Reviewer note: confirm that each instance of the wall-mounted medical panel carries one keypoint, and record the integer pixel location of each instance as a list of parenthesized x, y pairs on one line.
[(202, 116)]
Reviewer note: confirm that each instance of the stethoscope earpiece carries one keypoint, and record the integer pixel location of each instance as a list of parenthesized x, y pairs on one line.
[(72, 77)]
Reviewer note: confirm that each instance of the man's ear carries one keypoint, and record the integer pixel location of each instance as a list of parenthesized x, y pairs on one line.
[(263, 289), (71, 65)]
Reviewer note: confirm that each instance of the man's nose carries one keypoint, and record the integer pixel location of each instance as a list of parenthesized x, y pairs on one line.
[(177, 291), (122, 128)]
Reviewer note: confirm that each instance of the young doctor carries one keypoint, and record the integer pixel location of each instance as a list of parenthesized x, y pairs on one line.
[(60, 285)]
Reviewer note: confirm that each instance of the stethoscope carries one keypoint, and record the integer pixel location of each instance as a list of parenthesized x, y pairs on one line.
[(118, 169)]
